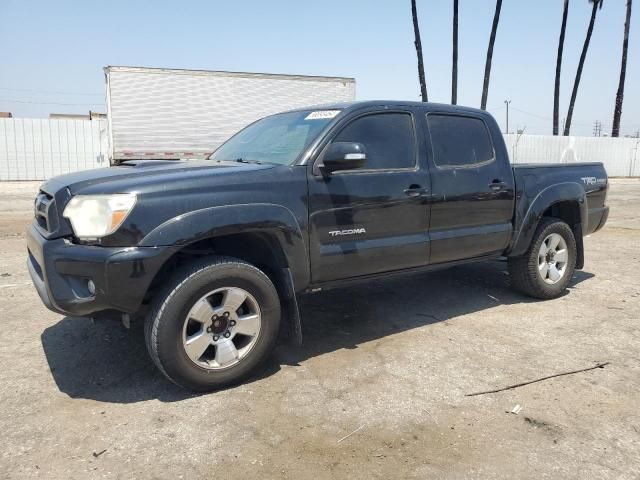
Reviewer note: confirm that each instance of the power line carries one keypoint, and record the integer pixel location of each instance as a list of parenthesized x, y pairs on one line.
[(574, 123), (49, 92), (9, 100), (532, 114)]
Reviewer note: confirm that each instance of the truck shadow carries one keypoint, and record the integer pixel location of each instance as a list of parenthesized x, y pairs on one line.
[(107, 363)]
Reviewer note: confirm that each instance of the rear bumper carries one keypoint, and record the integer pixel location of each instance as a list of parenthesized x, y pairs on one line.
[(597, 218), (60, 271)]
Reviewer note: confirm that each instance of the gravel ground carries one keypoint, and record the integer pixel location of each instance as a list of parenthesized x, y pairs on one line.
[(377, 391)]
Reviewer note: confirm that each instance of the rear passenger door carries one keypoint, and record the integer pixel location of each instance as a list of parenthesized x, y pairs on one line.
[(472, 189), (374, 218)]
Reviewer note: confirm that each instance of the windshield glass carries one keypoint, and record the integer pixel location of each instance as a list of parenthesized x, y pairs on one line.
[(277, 139)]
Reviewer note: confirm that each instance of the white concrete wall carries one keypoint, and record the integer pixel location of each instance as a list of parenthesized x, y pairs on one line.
[(620, 156), (38, 149)]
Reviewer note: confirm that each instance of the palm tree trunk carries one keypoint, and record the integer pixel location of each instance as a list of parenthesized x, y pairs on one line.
[(583, 56), (487, 67), (617, 113), (418, 44), (556, 92), (454, 64)]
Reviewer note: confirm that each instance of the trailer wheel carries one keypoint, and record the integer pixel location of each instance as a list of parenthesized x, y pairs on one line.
[(545, 270), (214, 322)]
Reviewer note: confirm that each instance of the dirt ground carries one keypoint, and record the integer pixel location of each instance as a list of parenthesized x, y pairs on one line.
[(377, 390)]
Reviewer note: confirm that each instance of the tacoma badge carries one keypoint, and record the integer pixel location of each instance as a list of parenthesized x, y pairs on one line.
[(352, 231)]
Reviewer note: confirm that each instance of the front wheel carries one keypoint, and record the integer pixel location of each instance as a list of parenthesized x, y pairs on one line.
[(214, 322), (545, 270)]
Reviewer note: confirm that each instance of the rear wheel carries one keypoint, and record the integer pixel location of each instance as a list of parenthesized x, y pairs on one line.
[(214, 322), (545, 270)]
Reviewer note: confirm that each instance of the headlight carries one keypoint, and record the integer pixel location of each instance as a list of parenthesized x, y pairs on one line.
[(95, 216)]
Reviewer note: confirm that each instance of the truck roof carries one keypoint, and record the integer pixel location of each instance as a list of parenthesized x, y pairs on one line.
[(441, 107)]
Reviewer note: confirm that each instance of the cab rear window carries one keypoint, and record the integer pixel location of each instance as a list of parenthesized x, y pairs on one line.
[(459, 141)]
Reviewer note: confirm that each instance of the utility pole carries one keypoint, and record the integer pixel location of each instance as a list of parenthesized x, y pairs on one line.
[(597, 128), (507, 102)]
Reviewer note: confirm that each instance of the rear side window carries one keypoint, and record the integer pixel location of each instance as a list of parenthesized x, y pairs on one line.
[(389, 139), (459, 141)]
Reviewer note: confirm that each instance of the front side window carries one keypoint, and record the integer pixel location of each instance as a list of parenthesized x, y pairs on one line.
[(388, 139), (278, 139), (459, 141)]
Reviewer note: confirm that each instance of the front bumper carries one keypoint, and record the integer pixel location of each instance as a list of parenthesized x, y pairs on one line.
[(60, 271)]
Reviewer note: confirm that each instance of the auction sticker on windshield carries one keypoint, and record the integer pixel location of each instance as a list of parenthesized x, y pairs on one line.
[(322, 114)]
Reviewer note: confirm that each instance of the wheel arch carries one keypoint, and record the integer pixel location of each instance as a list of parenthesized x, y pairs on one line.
[(267, 236), (565, 201)]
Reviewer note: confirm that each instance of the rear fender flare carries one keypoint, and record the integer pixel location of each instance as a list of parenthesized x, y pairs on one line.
[(560, 192)]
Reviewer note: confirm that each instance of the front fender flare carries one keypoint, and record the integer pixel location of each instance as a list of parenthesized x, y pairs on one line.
[(275, 220), (560, 192)]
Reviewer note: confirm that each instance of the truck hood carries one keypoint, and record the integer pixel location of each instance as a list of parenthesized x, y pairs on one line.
[(128, 175), (166, 188)]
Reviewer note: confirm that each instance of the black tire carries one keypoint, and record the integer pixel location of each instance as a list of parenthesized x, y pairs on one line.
[(171, 305), (524, 272)]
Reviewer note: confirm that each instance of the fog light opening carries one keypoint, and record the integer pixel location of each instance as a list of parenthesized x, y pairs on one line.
[(91, 287)]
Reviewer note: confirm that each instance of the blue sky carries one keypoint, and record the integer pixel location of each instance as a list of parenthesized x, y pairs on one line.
[(53, 51)]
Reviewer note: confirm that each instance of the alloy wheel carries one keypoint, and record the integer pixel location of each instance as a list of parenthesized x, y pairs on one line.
[(221, 328), (553, 257)]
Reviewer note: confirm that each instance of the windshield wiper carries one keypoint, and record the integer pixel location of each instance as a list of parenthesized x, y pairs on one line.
[(246, 160), (241, 160)]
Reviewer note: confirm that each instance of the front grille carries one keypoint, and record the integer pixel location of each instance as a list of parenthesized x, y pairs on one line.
[(45, 212)]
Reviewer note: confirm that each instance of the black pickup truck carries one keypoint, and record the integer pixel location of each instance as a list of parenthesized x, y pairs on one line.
[(213, 254)]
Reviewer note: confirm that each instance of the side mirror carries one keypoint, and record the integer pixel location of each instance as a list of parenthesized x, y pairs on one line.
[(344, 156)]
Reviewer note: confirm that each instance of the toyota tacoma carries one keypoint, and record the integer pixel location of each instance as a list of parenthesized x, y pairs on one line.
[(214, 253)]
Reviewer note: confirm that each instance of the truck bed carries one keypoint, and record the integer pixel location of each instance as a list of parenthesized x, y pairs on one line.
[(533, 180)]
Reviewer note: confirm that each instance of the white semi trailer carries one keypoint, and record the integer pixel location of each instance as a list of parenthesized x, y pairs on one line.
[(170, 114)]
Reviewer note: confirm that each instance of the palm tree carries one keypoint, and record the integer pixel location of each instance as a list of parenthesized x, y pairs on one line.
[(487, 67), (556, 92), (617, 112), (454, 64), (596, 5), (418, 44)]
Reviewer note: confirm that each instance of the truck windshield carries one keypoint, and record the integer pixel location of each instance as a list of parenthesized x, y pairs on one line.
[(276, 139)]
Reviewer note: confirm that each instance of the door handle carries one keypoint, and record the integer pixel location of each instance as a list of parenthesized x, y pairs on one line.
[(497, 185), (415, 191)]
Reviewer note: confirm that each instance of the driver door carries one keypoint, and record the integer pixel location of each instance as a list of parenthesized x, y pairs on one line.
[(374, 218)]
